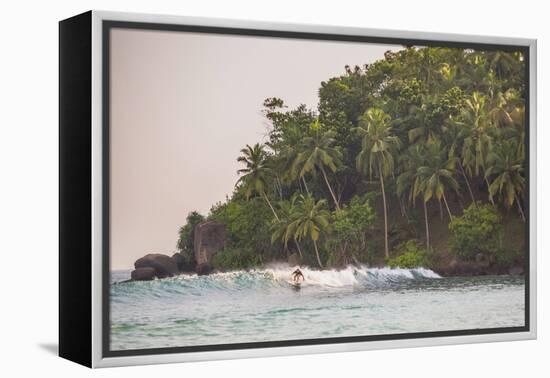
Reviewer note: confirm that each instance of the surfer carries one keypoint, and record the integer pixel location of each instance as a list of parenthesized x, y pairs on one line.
[(296, 275)]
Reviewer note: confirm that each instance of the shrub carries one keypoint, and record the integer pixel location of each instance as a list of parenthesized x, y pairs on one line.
[(234, 259), (349, 227), (248, 225), (410, 254), (478, 230), (506, 257), (185, 244)]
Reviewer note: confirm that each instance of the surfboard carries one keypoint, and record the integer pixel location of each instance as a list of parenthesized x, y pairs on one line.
[(295, 285)]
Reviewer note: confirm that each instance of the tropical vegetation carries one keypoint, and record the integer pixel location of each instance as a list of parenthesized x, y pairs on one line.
[(424, 137)]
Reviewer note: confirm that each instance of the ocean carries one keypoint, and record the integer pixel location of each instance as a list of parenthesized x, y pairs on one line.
[(261, 305)]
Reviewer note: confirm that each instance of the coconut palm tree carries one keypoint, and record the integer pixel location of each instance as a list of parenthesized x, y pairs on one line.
[(429, 66), (256, 173), (284, 229), (504, 106), (437, 175), (317, 152), (288, 154), (501, 62), (505, 171), (478, 141), (424, 129), (377, 153), (453, 138), (476, 121), (409, 181), (310, 220)]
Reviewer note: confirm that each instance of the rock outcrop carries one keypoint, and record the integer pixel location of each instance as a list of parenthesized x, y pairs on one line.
[(183, 264), (143, 274), (516, 270), (163, 265), (481, 266), (209, 238)]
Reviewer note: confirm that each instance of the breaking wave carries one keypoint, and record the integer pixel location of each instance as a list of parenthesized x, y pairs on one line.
[(275, 277)]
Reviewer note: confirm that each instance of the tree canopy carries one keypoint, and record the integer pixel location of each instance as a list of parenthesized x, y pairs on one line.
[(443, 128)]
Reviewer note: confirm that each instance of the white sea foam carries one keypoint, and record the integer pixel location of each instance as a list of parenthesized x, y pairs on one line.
[(350, 276), (282, 274)]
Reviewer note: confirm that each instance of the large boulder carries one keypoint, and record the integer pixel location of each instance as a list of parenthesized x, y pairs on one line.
[(209, 238), (457, 267), (184, 266), (203, 269), (163, 265), (143, 274), (179, 260)]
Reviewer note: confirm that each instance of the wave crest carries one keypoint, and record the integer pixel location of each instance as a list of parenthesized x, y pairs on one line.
[(353, 276), (280, 275)]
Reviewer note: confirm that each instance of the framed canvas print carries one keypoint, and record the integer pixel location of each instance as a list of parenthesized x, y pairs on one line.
[(232, 189)]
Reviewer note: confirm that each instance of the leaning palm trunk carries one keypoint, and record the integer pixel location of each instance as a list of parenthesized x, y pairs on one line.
[(427, 226), (467, 183), (520, 209), (490, 196), (330, 189), (401, 206), (317, 254), (271, 207), (279, 187), (305, 184), (447, 206), (299, 249), (386, 248)]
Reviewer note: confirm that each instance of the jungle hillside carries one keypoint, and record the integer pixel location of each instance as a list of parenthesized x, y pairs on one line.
[(417, 159)]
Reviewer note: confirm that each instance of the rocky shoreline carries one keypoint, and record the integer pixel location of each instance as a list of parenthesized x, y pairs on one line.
[(155, 266), (457, 268), (210, 238)]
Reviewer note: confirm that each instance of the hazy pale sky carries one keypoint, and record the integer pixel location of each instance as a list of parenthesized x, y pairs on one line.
[(182, 107)]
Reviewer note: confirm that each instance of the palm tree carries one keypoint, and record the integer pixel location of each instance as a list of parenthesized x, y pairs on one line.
[(477, 144), (429, 64), (284, 229), (424, 128), (506, 169), (377, 153), (288, 154), (453, 138), (437, 175), (256, 173), (310, 220), (478, 141), (502, 105), (501, 62), (317, 153), (409, 181)]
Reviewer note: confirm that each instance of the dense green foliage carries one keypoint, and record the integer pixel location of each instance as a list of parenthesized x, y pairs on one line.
[(479, 230), (248, 226), (185, 244), (235, 259), (410, 254), (349, 240), (310, 221), (438, 129)]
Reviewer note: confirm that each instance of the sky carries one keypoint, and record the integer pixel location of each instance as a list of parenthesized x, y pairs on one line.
[(183, 105)]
